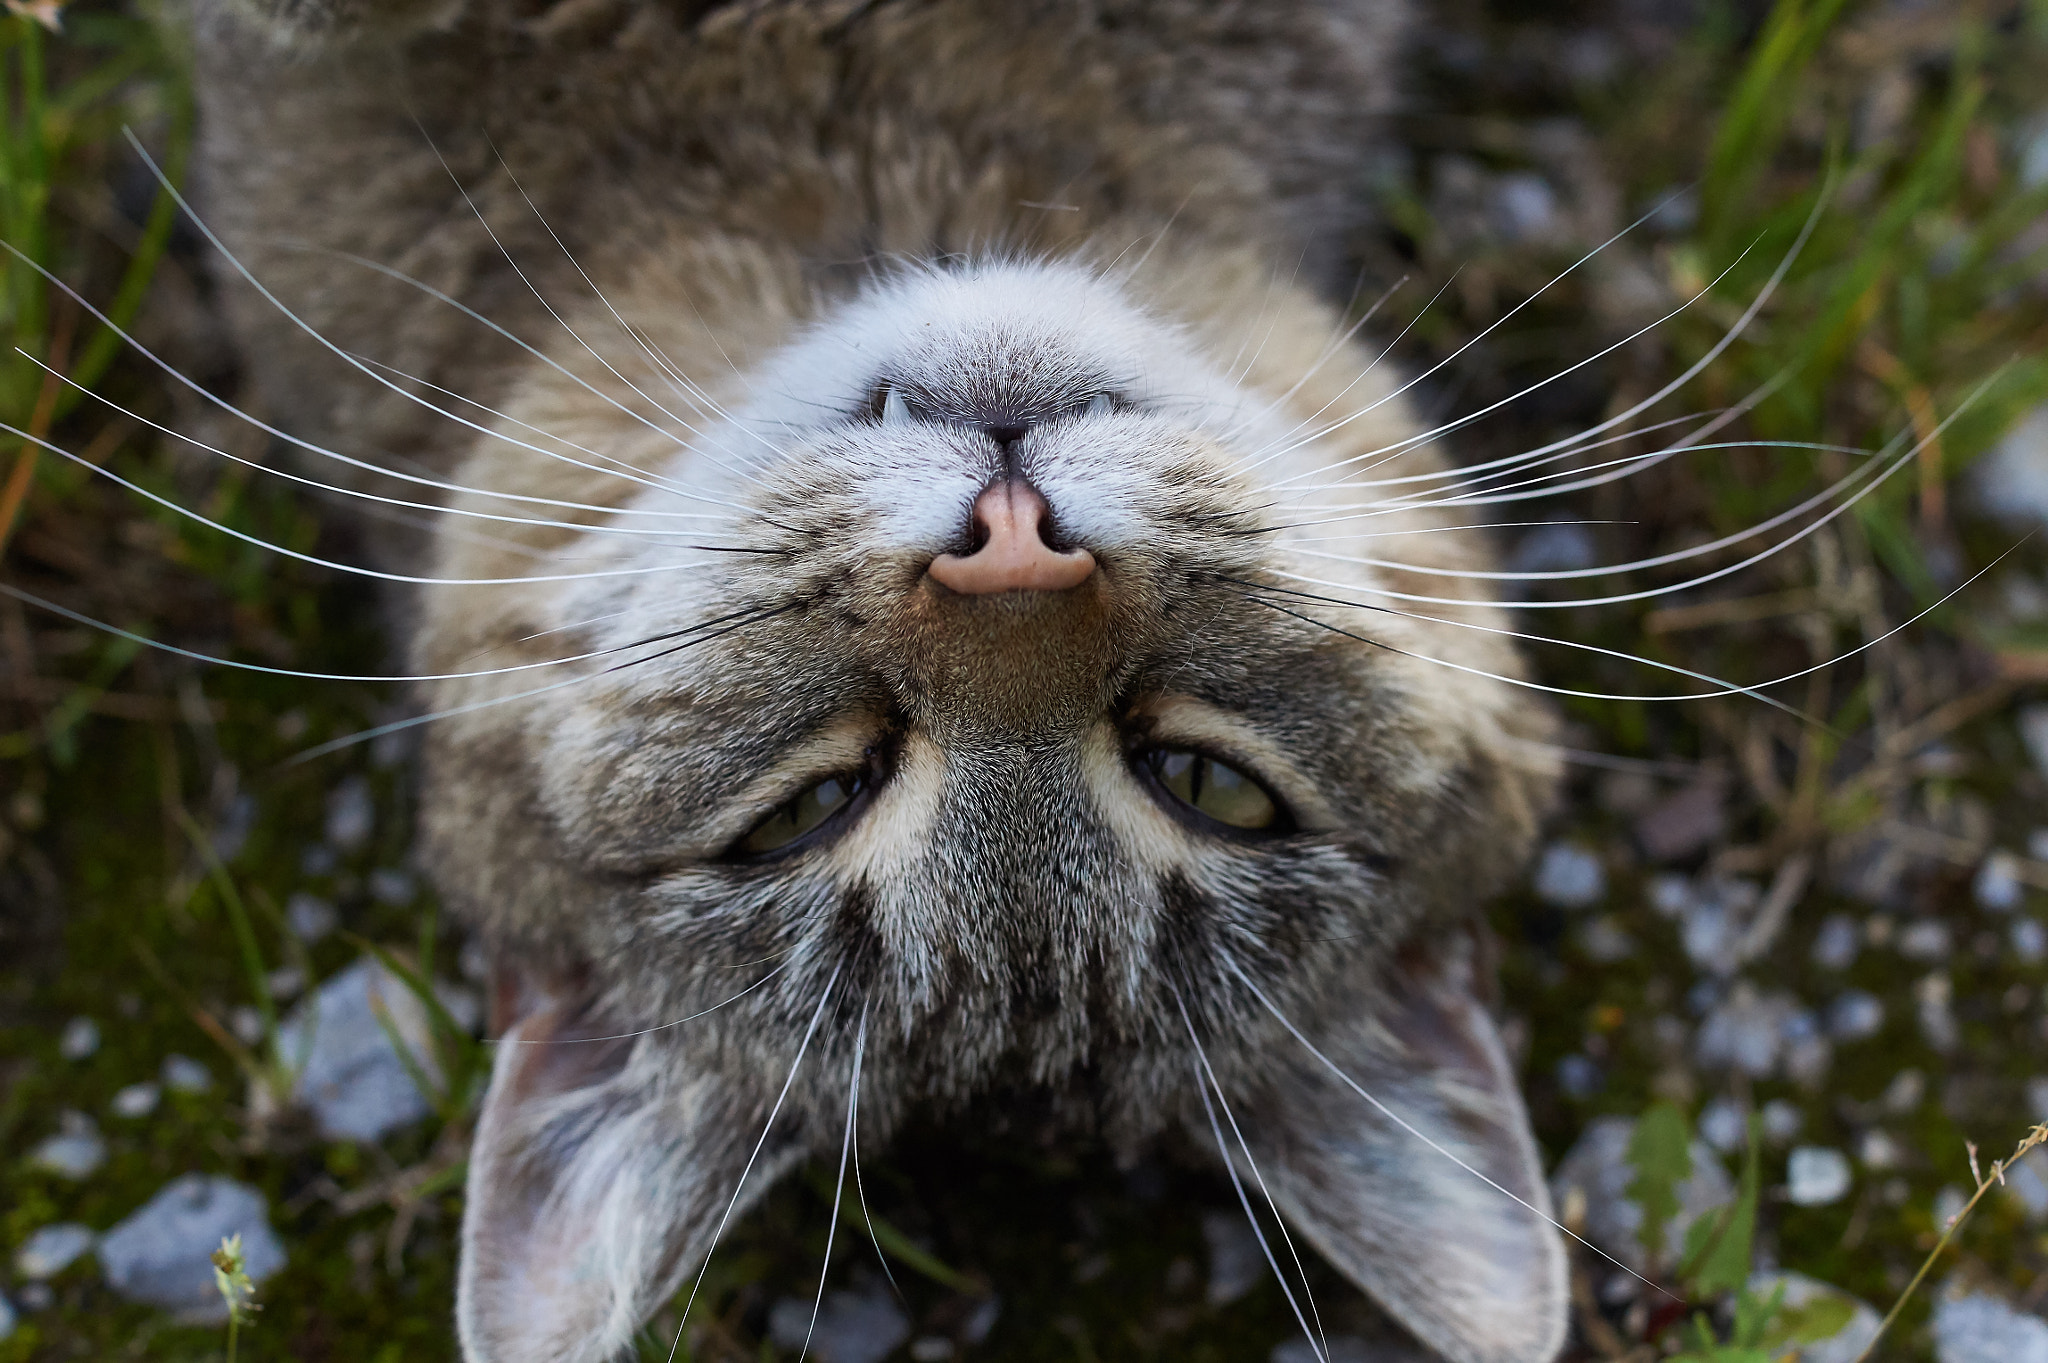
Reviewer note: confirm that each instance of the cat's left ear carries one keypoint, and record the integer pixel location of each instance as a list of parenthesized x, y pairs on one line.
[(597, 1180), (1470, 1271)]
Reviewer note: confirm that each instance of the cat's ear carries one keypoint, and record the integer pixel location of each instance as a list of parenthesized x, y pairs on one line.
[(594, 1186), (1471, 1272)]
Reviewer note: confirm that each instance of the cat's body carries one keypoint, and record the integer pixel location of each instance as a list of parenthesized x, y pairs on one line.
[(936, 382)]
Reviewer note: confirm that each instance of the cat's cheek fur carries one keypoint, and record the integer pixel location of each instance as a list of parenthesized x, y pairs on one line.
[(1475, 1273)]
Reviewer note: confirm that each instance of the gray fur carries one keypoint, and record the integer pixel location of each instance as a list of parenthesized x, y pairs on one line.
[(1105, 197)]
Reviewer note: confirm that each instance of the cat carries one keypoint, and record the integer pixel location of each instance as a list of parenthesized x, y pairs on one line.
[(922, 596)]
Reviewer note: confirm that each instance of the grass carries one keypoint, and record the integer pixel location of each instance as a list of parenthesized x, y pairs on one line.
[(152, 829)]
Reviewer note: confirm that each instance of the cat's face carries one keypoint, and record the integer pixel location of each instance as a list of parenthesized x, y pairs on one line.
[(968, 711)]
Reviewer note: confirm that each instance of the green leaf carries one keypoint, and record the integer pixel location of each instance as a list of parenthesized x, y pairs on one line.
[(1717, 1248), (1822, 1316), (1660, 1151)]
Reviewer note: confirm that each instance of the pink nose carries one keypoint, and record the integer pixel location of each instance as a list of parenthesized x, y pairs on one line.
[(1014, 556)]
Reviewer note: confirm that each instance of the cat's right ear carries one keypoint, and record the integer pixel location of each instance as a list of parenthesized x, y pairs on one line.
[(598, 1180)]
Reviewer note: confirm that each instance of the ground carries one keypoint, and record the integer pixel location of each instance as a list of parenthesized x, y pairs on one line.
[(1832, 919)]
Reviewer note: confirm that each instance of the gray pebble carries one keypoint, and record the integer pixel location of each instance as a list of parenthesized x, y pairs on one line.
[(1980, 1328), (1745, 1031), (1722, 1126), (51, 1249), (1878, 1151), (389, 885), (2029, 940), (1925, 940), (136, 1100), (1855, 1015), (1997, 886), (1580, 1076), (162, 1255), (1781, 1121), (351, 814), (183, 1074), (349, 1075), (1599, 1170), (1236, 1263), (2034, 718), (75, 1152), (1816, 1176), (2010, 480), (80, 1039), (2027, 1182), (1932, 996), (856, 1326), (8, 1321), (1570, 877), (310, 916), (1836, 945)]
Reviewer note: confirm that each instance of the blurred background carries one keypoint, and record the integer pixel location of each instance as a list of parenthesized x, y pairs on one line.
[(1778, 981)]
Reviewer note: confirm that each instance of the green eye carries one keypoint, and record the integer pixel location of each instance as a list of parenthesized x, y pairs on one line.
[(799, 816), (1220, 791)]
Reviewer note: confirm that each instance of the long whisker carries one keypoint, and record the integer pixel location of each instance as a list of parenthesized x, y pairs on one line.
[(1205, 1078), (581, 527), (370, 735), (860, 1190), (838, 1186), (269, 297), (31, 599), (1420, 1135), (766, 1127)]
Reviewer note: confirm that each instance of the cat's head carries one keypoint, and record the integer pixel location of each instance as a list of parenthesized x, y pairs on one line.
[(998, 677)]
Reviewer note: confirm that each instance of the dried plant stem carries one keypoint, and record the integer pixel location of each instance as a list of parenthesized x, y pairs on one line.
[(1985, 1182)]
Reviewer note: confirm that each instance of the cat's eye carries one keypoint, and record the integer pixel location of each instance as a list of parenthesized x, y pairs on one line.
[(811, 809), (1215, 790)]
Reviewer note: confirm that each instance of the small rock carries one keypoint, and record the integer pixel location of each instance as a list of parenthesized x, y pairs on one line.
[(1599, 1169), (390, 885), (2029, 940), (351, 814), (2034, 718), (8, 1322), (136, 1100), (1716, 922), (1816, 1176), (1670, 894), (1808, 1301), (1525, 209), (162, 1255), (1980, 1328), (1998, 886), (852, 1326), (310, 917), (1904, 1094), (75, 1152), (349, 1074), (1878, 1151), (1932, 996), (1606, 941), (1745, 1031), (1722, 1126), (183, 1074), (1236, 1263), (246, 1022), (52, 1249), (1580, 1076), (1781, 1120), (1807, 1052), (2010, 481), (285, 982), (1685, 822), (1925, 941), (1570, 877), (81, 1038), (2027, 1182), (1837, 943), (1855, 1015)]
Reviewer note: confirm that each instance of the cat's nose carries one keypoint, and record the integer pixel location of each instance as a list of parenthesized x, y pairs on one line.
[(1011, 523)]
